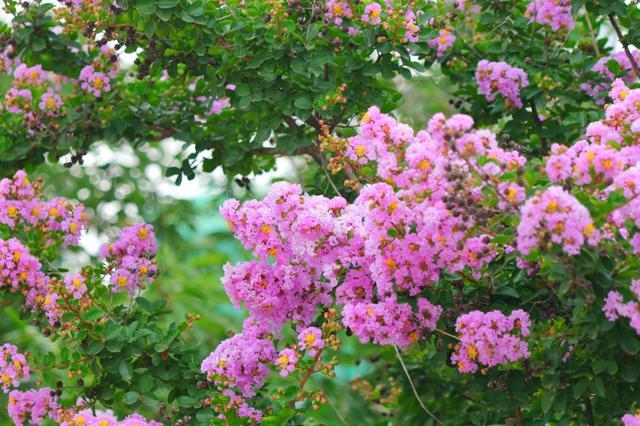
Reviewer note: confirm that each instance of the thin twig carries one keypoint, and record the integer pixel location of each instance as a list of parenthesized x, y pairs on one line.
[(593, 34), (589, 410), (446, 333), (625, 45), (519, 416), (415, 392), (333, 185), (336, 411), (308, 374)]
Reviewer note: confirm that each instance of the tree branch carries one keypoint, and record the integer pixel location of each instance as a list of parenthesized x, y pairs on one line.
[(625, 45), (413, 388)]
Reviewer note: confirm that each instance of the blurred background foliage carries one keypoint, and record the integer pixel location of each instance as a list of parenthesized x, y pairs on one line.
[(121, 186)]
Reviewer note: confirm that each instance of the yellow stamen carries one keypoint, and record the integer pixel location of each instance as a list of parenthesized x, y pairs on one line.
[(12, 211), (310, 338), (589, 229), (122, 281)]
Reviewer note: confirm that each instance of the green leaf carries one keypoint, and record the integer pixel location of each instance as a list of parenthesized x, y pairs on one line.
[(94, 347), (580, 387), (167, 4), (303, 102), (130, 397), (629, 345), (146, 7), (125, 369), (185, 401), (145, 304)]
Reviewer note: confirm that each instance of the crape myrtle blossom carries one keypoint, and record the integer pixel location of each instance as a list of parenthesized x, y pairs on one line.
[(131, 259), (584, 163), (13, 367), (87, 417), (50, 101), (615, 307), (94, 82), (32, 406), (366, 257), (338, 10), (557, 217), (490, 339), (500, 78), (556, 13), (310, 339), (75, 285), (372, 14), (20, 272), (631, 419), (243, 360), (442, 42), (598, 90), (20, 205), (287, 360), (398, 18)]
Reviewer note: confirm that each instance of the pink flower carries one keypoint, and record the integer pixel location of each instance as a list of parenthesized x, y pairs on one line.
[(557, 215), (131, 258), (631, 419), (243, 360), (310, 339), (217, 106), (75, 285), (337, 10), (13, 367), (50, 101), (615, 307), (372, 14), (443, 42), (93, 82), (556, 13), (500, 77), (21, 272), (17, 101), (286, 362), (32, 406), (490, 339)]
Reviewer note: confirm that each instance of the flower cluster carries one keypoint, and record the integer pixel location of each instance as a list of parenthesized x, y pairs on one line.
[(598, 90), (615, 307), (241, 361), (500, 77), (131, 259), (75, 285), (35, 94), (21, 272), (88, 418), (442, 42), (310, 339), (490, 339), (366, 257), (94, 82), (555, 217), (20, 205), (584, 163), (390, 322), (13, 367), (396, 17), (32, 406), (38, 95), (556, 13), (631, 419), (287, 360)]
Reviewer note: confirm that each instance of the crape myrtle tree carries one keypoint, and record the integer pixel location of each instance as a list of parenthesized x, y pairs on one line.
[(491, 255)]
